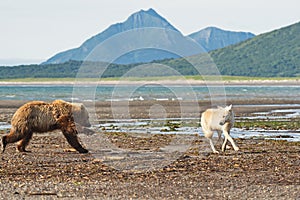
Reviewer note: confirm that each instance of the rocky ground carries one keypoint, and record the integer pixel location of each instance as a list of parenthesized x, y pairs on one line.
[(147, 167)]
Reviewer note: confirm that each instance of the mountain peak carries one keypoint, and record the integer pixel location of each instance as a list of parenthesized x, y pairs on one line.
[(147, 18), (150, 11), (212, 38), (212, 28)]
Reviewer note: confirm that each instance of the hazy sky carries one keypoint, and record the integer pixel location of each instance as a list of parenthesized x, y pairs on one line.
[(34, 30)]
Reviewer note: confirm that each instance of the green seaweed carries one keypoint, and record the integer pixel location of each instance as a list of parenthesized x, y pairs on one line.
[(268, 125)]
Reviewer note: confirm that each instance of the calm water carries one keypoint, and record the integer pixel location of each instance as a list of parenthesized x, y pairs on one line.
[(145, 92)]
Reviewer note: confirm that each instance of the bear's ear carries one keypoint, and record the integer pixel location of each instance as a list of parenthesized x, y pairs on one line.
[(80, 105)]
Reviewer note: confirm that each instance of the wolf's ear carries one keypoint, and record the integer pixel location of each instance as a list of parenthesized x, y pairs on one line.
[(228, 107)]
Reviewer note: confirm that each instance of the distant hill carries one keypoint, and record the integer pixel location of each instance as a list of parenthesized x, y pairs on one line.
[(68, 69), (169, 36), (212, 38), (272, 54)]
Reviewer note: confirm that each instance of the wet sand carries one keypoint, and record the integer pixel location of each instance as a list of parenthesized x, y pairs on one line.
[(262, 169), (174, 109)]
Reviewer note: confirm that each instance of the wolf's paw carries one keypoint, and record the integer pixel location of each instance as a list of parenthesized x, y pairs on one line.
[(236, 148)]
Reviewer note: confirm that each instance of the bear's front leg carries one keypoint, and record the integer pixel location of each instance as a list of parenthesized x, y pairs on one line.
[(73, 141), (68, 128)]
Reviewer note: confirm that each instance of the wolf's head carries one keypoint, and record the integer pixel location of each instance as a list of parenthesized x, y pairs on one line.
[(227, 115)]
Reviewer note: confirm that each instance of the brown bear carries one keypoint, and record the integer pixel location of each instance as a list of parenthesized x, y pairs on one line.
[(40, 117)]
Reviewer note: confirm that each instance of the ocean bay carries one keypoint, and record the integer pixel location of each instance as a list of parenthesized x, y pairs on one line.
[(141, 92)]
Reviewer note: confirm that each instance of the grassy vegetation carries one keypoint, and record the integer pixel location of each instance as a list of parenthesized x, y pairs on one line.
[(168, 78), (241, 78), (37, 80)]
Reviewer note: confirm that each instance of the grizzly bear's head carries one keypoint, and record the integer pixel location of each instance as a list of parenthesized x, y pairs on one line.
[(80, 114)]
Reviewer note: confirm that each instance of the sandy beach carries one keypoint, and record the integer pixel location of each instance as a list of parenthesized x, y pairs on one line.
[(179, 81), (142, 167)]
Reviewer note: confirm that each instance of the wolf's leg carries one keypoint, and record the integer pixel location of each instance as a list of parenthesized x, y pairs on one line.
[(224, 144), (228, 137), (208, 134), (212, 145), (219, 136)]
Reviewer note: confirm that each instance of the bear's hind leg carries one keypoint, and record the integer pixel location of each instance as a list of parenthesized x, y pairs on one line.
[(24, 142), (12, 137), (4, 143)]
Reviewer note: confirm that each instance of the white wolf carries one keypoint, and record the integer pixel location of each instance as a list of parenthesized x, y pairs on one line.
[(221, 120)]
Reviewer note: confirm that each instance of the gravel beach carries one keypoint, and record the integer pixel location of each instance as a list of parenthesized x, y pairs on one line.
[(262, 169)]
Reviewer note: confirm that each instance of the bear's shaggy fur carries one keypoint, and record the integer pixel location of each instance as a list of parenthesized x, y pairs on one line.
[(39, 117)]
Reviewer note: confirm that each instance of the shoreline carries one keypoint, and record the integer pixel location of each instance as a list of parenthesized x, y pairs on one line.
[(266, 82)]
